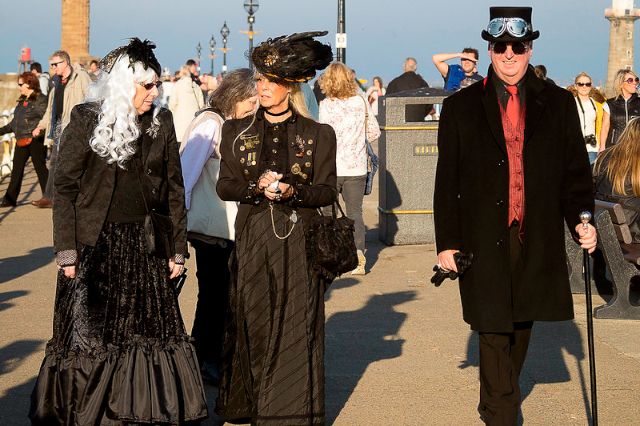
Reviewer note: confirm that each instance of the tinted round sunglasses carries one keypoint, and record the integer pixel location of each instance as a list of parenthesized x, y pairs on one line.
[(580, 84), (517, 47), (149, 86), (632, 80)]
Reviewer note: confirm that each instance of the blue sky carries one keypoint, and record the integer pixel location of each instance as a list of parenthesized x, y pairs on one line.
[(381, 33)]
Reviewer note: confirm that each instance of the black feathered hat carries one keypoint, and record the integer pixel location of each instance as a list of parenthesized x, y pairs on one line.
[(138, 51), (294, 58), (510, 24)]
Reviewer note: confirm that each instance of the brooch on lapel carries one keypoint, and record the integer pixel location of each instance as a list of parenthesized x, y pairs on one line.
[(297, 170), (298, 146), (249, 142), (153, 129)]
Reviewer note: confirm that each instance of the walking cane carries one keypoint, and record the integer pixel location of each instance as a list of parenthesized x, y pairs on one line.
[(585, 217)]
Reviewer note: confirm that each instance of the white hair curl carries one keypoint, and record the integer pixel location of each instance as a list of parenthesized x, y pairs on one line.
[(118, 125)]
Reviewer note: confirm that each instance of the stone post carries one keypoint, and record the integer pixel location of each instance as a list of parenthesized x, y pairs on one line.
[(622, 16), (75, 30)]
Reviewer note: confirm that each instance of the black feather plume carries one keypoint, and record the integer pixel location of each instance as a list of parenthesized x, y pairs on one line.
[(294, 58)]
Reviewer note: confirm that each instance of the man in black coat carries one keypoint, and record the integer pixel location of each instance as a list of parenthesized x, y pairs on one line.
[(410, 80), (512, 168)]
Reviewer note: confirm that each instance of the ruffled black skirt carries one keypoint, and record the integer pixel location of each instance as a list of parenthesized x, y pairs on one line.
[(119, 352)]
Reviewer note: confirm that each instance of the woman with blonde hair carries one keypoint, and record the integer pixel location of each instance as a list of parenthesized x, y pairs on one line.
[(593, 112), (280, 167), (351, 117), (617, 175), (624, 106)]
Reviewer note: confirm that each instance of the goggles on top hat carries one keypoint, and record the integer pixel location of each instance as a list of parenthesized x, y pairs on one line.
[(517, 27)]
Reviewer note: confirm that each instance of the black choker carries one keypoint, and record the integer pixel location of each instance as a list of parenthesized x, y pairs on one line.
[(277, 114)]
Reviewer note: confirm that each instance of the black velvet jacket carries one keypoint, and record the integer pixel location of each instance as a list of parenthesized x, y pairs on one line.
[(84, 182), (26, 116), (312, 170)]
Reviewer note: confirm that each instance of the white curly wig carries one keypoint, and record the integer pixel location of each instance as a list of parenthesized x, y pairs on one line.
[(118, 125)]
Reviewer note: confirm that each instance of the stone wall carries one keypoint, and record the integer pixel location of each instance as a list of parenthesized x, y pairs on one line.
[(8, 91)]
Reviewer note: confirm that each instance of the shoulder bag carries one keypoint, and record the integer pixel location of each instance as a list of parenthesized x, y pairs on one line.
[(158, 228), (372, 158)]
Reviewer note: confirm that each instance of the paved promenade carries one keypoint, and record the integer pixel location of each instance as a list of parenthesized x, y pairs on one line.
[(397, 350)]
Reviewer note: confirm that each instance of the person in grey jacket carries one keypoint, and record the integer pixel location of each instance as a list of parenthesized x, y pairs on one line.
[(31, 105)]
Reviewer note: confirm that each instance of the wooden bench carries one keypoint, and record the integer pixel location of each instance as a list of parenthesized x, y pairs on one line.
[(621, 256)]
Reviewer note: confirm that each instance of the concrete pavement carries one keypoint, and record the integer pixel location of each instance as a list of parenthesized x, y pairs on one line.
[(397, 350)]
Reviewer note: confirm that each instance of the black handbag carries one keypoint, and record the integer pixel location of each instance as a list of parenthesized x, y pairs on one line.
[(158, 230), (331, 245)]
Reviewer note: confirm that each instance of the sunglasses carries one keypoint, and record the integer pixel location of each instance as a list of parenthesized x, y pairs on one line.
[(579, 84), (517, 47), (632, 80), (55, 64), (517, 27), (149, 86), (21, 84)]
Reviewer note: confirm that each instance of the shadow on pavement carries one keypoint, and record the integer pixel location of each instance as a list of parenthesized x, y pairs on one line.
[(14, 404), (545, 362), (356, 339), (17, 266), (339, 284), (8, 295)]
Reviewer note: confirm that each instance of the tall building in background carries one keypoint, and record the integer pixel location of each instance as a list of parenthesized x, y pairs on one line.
[(75, 30), (622, 16)]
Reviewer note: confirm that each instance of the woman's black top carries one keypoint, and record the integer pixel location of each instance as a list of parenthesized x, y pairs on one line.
[(274, 154), (621, 111), (127, 204)]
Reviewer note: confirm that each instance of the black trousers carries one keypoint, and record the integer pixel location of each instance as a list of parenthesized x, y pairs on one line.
[(38, 153), (212, 261), (501, 358)]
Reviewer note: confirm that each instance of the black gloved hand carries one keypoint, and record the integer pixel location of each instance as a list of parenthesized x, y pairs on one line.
[(463, 262)]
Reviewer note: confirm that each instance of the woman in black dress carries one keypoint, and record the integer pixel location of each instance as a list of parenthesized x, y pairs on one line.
[(280, 166), (26, 116), (119, 352)]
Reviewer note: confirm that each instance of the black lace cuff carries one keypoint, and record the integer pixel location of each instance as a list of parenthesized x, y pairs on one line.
[(253, 195), (298, 196), (66, 258)]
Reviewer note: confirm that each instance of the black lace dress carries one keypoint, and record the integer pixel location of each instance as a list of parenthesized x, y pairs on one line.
[(119, 352)]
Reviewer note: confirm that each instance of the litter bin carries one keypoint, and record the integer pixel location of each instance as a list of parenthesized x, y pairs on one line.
[(408, 154)]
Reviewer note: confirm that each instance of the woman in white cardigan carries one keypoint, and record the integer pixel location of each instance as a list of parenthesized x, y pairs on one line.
[(351, 117), (210, 221)]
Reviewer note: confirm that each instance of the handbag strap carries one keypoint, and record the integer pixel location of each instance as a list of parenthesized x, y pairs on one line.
[(366, 120)]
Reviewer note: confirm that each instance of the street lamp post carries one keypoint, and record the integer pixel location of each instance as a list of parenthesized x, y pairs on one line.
[(199, 54), (224, 32), (251, 6), (212, 51), (341, 36)]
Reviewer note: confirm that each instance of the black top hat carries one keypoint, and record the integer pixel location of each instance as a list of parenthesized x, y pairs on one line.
[(501, 29), (293, 58), (138, 51)]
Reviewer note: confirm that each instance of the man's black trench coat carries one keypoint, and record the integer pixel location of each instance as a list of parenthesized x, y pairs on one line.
[(472, 198)]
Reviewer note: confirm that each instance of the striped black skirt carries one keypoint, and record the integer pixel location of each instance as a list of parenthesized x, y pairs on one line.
[(273, 366)]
